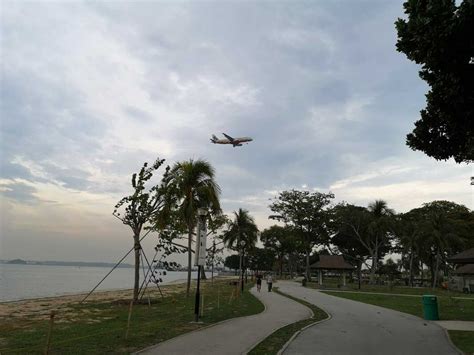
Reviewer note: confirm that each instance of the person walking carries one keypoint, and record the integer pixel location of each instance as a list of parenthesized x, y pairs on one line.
[(259, 282), (269, 282)]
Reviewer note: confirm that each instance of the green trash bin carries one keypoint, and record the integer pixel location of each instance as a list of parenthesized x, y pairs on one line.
[(430, 307)]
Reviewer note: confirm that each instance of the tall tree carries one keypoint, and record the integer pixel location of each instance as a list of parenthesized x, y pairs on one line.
[(447, 229), (409, 240), (215, 231), (369, 227), (438, 35), (139, 208), (261, 259), (283, 243), (232, 262), (380, 230), (194, 187), (307, 213), (242, 235)]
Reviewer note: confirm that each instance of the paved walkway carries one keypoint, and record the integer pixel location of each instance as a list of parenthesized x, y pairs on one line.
[(359, 328), (456, 325), (392, 294), (238, 335)]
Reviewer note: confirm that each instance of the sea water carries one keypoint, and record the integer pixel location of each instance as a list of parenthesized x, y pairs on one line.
[(34, 281)]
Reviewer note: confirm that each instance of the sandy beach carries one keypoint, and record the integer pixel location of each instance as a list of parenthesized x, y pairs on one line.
[(40, 308)]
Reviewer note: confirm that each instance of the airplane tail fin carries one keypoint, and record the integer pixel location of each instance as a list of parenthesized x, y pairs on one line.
[(214, 138)]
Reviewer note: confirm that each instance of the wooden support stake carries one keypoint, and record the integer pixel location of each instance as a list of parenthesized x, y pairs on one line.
[(202, 304), (218, 293), (231, 295), (129, 317), (50, 332)]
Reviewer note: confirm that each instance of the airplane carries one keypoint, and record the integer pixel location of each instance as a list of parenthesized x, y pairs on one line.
[(236, 142)]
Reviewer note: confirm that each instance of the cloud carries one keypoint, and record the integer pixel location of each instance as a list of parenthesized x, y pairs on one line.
[(18, 191), (90, 91)]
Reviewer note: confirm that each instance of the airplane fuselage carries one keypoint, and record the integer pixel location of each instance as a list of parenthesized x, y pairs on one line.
[(236, 142)]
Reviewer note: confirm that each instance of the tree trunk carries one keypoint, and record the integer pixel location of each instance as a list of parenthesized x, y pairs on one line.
[(432, 267), (290, 265), (376, 261), (136, 286), (241, 280), (308, 271), (212, 272), (373, 269), (190, 245), (281, 266), (435, 278), (203, 274), (359, 271), (410, 280)]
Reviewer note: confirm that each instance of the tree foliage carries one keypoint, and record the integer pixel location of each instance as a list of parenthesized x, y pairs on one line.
[(232, 262), (438, 35), (242, 234), (141, 207), (307, 213), (284, 244), (193, 186), (363, 232), (261, 259), (445, 228)]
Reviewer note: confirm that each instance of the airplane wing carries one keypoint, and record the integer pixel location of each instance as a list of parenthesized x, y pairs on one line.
[(228, 137)]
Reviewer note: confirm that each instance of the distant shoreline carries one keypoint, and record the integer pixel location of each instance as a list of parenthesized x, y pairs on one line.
[(63, 263), (96, 294)]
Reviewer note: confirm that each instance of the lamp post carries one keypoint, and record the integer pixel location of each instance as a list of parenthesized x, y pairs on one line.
[(200, 255)]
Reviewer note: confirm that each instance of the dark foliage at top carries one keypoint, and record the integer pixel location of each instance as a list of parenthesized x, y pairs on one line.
[(438, 35)]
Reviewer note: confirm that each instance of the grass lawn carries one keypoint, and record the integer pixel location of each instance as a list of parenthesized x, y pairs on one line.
[(404, 290), (463, 340), (275, 341), (449, 308), (99, 327)]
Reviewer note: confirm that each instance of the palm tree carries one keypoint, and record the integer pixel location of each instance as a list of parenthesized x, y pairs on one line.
[(242, 235), (379, 228), (194, 187)]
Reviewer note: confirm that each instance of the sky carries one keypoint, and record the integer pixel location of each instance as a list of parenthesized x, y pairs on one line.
[(92, 90)]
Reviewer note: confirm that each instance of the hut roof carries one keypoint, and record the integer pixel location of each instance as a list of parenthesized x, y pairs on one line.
[(467, 269), (465, 257), (332, 262)]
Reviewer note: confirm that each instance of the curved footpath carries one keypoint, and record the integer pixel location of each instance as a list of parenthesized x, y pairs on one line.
[(359, 328), (237, 335)]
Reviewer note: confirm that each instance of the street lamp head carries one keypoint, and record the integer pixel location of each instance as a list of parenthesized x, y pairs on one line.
[(202, 212)]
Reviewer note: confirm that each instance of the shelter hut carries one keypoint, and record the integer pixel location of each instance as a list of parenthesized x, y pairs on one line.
[(464, 272), (332, 263)]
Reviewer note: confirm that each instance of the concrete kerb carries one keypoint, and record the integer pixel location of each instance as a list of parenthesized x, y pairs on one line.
[(446, 334), (200, 329)]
